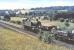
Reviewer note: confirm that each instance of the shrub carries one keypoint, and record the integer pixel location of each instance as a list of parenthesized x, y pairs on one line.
[(50, 19), (61, 20), (67, 24), (12, 21), (45, 36), (67, 20), (18, 22), (45, 18), (72, 21)]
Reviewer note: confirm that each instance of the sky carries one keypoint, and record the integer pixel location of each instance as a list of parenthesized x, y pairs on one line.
[(27, 4)]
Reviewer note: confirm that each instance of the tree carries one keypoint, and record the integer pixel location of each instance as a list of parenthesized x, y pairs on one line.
[(52, 14), (67, 23), (72, 20), (61, 19), (45, 36), (26, 14), (7, 17)]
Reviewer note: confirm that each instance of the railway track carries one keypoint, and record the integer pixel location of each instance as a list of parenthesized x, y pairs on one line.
[(14, 28), (20, 30)]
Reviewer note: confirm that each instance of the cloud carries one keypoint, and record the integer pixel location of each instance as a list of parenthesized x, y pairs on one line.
[(62, 3), (34, 3)]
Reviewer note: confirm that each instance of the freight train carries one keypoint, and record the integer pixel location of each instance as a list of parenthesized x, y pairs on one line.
[(36, 26)]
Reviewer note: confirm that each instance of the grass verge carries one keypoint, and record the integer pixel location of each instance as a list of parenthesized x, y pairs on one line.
[(10, 40)]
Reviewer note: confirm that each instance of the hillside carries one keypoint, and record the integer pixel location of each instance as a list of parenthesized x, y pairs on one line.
[(10, 40), (69, 8)]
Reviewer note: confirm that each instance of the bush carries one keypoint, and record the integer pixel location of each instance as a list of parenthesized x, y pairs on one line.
[(45, 18), (61, 20), (12, 21), (50, 19), (72, 21), (67, 24), (18, 22), (45, 36), (67, 20)]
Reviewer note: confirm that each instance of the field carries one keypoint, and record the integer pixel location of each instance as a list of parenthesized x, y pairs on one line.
[(46, 22), (10, 40), (16, 19), (58, 23)]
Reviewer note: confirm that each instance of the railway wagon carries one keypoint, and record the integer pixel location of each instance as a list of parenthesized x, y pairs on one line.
[(65, 35)]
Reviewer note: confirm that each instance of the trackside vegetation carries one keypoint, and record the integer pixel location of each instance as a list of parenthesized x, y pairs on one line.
[(10, 40)]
